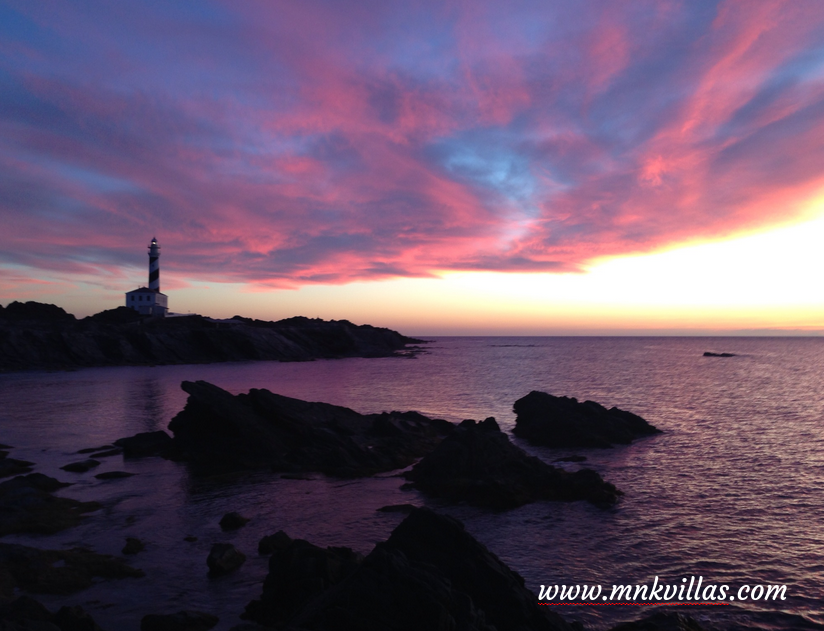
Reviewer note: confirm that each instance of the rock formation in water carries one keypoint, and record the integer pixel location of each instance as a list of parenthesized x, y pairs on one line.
[(218, 431), (26, 614), (552, 421), (35, 336), (711, 354), (478, 464), (429, 574)]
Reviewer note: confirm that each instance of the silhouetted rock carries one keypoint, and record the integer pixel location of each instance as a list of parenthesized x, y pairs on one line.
[(12, 466), (431, 574), (298, 572), (478, 464), (114, 475), (218, 431), (28, 506), (710, 354), (552, 421), (81, 467), (26, 614), (272, 543), (133, 546), (662, 622), (233, 521), (157, 443), (180, 621), (572, 459), (35, 311), (224, 558), (35, 336), (59, 571)]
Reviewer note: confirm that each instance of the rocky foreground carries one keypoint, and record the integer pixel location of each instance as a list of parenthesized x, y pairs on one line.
[(37, 336)]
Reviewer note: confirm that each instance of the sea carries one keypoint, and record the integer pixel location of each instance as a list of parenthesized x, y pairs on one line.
[(732, 491)]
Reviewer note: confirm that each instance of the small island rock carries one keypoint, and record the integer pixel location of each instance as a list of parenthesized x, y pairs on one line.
[(553, 421), (224, 558)]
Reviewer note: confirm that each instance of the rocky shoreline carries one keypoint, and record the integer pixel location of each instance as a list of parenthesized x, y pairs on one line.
[(37, 336)]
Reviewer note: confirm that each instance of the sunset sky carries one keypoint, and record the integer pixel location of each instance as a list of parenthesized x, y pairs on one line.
[(572, 167)]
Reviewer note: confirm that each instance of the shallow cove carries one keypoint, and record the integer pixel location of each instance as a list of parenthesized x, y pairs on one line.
[(732, 491)]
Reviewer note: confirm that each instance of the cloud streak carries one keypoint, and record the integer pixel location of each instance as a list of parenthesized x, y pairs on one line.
[(280, 144)]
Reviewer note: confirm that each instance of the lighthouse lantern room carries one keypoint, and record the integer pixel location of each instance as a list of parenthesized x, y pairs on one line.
[(149, 300)]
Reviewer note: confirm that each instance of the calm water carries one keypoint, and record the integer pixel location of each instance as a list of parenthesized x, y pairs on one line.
[(732, 491)]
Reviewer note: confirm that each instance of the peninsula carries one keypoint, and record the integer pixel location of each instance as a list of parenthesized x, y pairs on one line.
[(38, 336)]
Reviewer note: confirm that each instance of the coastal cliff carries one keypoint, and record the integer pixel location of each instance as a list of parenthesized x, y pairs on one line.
[(37, 336)]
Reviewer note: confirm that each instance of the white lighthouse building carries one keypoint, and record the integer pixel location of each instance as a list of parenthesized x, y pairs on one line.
[(149, 300)]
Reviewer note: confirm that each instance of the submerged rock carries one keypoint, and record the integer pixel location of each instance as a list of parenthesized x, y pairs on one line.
[(12, 466), (217, 431), (552, 421), (157, 443), (58, 571), (478, 464), (430, 574), (114, 475), (233, 521), (180, 621), (81, 467), (28, 506), (711, 354), (224, 558), (133, 546)]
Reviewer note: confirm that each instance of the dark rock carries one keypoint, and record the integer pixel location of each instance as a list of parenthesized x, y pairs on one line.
[(397, 508), (24, 311), (40, 336), (74, 619), (709, 354), (114, 475), (430, 574), (59, 571), (28, 506), (478, 464), (272, 543), (90, 450), (298, 572), (190, 538), (133, 546), (81, 467), (26, 614), (217, 431), (107, 453), (12, 466), (157, 443), (233, 521), (564, 422), (662, 622), (224, 558), (572, 459), (180, 621)]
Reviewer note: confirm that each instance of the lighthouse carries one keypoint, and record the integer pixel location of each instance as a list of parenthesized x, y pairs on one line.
[(149, 300)]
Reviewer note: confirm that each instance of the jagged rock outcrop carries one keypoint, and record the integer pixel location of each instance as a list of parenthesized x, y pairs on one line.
[(478, 464), (218, 431), (552, 421), (430, 574), (28, 506), (35, 336)]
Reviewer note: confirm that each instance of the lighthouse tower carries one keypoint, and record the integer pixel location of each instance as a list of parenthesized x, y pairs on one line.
[(149, 300), (154, 265)]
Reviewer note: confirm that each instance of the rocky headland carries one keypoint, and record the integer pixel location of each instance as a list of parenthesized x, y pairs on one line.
[(217, 431), (544, 419), (479, 465), (37, 336)]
